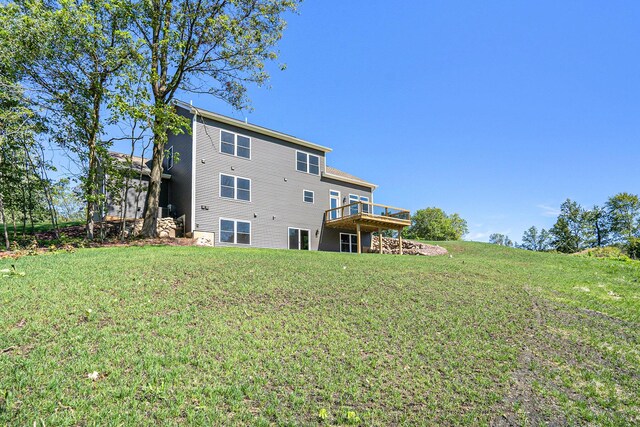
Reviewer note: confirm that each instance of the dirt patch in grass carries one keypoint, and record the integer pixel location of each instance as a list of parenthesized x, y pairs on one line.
[(557, 381)]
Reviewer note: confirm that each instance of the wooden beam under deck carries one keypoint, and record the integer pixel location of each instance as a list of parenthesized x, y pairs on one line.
[(368, 223)]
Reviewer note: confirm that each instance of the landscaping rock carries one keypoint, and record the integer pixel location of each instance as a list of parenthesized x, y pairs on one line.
[(409, 247), (166, 227)]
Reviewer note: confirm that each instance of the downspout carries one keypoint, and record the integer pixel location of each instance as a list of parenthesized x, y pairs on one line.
[(193, 170)]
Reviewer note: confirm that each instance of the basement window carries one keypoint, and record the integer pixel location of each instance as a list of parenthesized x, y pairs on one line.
[(348, 243), (235, 231)]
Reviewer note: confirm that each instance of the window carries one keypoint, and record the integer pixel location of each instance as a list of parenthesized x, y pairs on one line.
[(234, 231), (348, 243), (298, 239), (235, 145), (169, 155), (307, 163), (354, 209), (307, 196), (365, 207), (234, 187)]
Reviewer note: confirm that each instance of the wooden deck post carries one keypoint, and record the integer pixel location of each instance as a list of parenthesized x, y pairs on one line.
[(400, 240), (380, 240), (359, 243)]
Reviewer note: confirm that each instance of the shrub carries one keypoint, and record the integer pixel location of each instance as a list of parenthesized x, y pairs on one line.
[(633, 248), (609, 252)]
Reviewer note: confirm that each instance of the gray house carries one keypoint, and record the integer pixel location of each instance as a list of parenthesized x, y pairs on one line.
[(244, 185)]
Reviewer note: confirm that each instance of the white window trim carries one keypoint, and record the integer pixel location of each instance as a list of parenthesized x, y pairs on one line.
[(301, 229), (308, 164), (365, 200), (353, 198), (235, 188), (235, 145), (338, 213), (170, 158), (350, 236), (356, 198), (235, 231), (313, 197)]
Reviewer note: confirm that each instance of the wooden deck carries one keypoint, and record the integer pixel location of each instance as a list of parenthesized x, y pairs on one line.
[(368, 217)]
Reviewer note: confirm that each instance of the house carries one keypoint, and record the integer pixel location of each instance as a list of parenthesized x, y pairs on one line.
[(245, 185)]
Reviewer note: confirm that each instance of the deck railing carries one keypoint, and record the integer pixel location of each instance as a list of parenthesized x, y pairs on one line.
[(367, 209)]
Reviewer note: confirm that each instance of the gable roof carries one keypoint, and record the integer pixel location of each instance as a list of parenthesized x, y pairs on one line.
[(339, 175), (139, 164), (248, 126)]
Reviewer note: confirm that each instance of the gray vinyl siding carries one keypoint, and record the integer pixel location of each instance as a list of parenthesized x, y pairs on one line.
[(135, 198), (276, 189), (181, 172)]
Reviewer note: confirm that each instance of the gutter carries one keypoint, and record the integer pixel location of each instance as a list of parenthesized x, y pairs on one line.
[(349, 180), (258, 129)]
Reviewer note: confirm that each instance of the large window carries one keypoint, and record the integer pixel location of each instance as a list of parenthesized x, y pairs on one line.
[(308, 163), (234, 144), (365, 207), (353, 198), (234, 231), (307, 196), (298, 239), (353, 209), (348, 243), (235, 187)]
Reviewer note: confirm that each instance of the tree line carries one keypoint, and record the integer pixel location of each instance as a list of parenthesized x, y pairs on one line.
[(435, 224), (616, 222), (69, 70)]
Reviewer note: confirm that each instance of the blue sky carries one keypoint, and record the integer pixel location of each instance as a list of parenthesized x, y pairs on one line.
[(497, 110)]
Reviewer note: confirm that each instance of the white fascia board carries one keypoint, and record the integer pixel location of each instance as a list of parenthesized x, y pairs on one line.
[(349, 180), (248, 126)]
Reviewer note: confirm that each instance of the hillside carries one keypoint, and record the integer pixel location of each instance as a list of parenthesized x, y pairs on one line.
[(174, 335)]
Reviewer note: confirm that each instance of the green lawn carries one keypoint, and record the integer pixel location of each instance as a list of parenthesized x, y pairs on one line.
[(186, 335), (39, 227)]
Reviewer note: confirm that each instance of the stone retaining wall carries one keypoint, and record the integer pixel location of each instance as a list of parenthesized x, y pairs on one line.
[(166, 227), (409, 247)]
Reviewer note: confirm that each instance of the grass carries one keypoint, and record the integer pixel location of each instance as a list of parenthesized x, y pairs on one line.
[(39, 227), (186, 335)]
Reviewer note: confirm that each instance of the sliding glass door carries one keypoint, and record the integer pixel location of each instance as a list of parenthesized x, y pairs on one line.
[(298, 239)]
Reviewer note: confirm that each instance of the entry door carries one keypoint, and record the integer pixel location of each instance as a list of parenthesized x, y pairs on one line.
[(334, 202), (298, 239)]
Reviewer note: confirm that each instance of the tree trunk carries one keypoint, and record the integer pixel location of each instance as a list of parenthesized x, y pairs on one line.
[(44, 180), (24, 208), (90, 189), (50, 204), (30, 208), (4, 222), (150, 224), (13, 220), (97, 91), (4, 225)]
